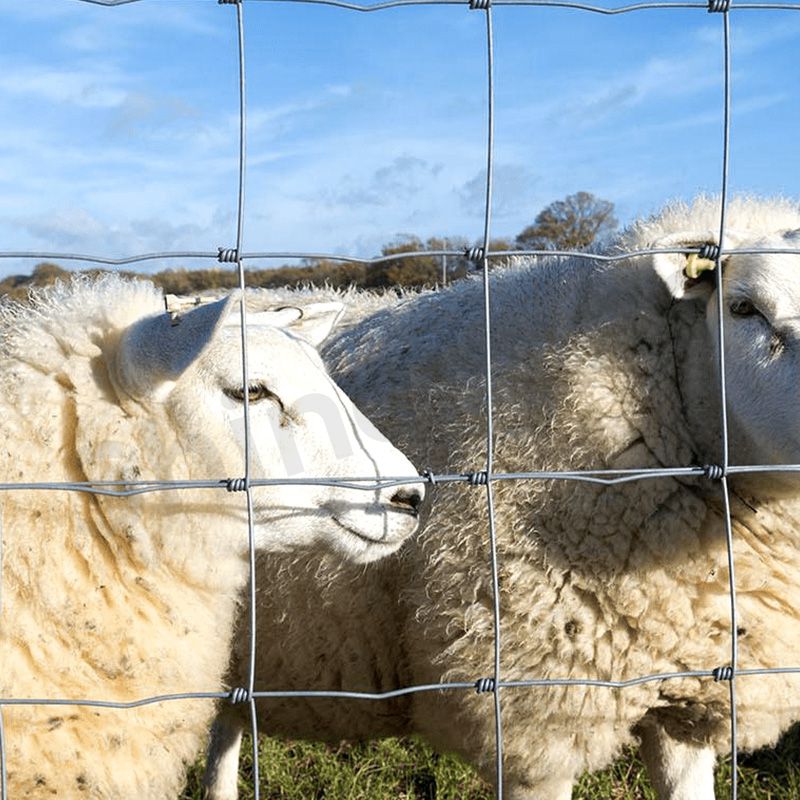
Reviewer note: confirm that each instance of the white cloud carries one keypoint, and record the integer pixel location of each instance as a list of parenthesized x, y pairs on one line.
[(754, 38), (65, 227), (390, 184), (514, 190), (87, 29), (660, 82), (82, 88), (90, 37), (268, 122), (155, 114), (78, 230)]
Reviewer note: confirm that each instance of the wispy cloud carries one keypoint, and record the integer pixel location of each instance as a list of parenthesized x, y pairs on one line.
[(64, 227), (267, 122), (390, 184), (83, 28), (659, 83), (747, 39), (514, 190), (141, 111), (82, 88), (77, 230)]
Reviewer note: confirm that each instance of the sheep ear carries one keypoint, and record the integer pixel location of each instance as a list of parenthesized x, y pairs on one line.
[(311, 321), (155, 351), (317, 321), (688, 275)]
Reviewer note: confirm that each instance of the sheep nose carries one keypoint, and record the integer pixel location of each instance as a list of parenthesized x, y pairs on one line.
[(407, 499)]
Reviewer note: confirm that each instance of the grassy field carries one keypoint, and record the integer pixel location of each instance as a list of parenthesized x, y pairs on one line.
[(395, 769)]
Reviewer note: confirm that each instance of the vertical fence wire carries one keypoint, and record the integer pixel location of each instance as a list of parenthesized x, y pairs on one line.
[(248, 491), (3, 771), (487, 223), (734, 636), (726, 137), (734, 643)]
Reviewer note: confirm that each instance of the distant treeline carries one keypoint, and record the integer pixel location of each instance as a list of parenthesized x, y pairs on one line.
[(577, 222), (406, 271)]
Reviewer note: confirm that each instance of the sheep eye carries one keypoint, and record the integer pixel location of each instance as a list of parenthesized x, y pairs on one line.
[(742, 308), (256, 392)]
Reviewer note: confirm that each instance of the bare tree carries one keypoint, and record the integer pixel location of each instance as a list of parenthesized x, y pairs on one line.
[(575, 223)]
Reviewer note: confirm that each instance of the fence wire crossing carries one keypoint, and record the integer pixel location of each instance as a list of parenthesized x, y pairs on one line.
[(484, 478)]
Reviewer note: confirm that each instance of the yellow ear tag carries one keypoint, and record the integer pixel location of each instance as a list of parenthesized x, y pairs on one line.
[(695, 265)]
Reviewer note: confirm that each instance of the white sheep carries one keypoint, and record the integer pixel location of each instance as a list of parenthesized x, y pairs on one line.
[(120, 599), (596, 366)]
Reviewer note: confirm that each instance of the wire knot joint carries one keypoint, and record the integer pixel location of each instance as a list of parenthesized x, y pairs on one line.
[(480, 478), (713, 472), (474, 254), (227, 255), (236, 484), (429, 477), (723, 673), (484, 685), (480, 5), (709, 251), (239, 695), (719, 6)]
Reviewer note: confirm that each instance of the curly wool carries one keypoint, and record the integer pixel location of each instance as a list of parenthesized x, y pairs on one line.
[(596, 582), (103, 598)]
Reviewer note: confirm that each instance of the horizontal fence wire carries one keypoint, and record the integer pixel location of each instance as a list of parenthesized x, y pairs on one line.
[(717, 674), (599, 477), (655, 6), (482, 478), (584, 255)]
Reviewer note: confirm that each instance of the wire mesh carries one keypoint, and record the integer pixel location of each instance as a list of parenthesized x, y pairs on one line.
[(481, 256)]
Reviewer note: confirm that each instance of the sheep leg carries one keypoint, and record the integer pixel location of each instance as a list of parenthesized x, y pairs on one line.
[(677, 770), (221, 778)]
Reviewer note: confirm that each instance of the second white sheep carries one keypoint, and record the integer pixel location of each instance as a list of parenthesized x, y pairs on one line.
[(125, 598), (596, 366)]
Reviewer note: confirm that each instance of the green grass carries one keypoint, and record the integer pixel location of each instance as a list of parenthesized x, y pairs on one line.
[(390, 768), (401, 769)]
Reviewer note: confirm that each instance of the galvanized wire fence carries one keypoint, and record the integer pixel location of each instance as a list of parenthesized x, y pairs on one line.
[(486, 477)]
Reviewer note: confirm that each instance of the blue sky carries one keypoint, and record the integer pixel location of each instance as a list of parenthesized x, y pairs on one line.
[(118, 126)]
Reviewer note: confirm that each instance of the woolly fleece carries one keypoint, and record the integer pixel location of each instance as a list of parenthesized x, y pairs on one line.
[(122, 599), (595, 366)]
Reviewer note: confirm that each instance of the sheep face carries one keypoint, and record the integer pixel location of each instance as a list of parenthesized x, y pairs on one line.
[(761, 319), (301, 424), (761, 315)]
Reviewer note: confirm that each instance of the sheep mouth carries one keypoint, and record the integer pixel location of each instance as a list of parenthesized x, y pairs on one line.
[(366, 538)]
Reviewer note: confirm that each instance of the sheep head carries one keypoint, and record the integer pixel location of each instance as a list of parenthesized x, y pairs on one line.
[(176, 410), (761, 324)]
